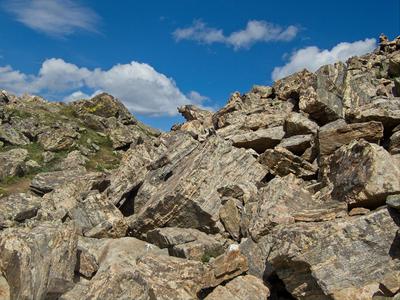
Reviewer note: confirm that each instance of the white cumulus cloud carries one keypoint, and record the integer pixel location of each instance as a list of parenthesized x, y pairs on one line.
[(138, 85), (255, 31), (311, 58), (53, 17)]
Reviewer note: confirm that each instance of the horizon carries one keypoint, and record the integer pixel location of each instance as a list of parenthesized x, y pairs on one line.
[(163, 57)]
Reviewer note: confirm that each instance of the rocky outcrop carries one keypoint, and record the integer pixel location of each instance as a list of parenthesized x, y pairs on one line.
[(185, 194), (286, 192)]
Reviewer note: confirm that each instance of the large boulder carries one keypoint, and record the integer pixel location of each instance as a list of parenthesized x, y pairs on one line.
[(362, 174), (283, 162), (186, 242), (12, 163), (186, 194), (10, 135), (17, 208), (353, 258), (58, 139), (38, 263), (82, 202), (285, 200)]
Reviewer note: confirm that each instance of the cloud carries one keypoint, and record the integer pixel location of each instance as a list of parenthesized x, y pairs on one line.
[(138, 85), (311, 58), (255, 31), (57, 18)]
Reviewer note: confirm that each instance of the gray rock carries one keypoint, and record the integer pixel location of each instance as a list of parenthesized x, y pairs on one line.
[(80, 201), (259, 140), (38, 263), (10, 135), (297, 144), (333, 135), (286, 201), (58, 139), (17, 208), (45, 182), (298, 124), (186, 242), (12, 163), (393, 201), (386, 111)]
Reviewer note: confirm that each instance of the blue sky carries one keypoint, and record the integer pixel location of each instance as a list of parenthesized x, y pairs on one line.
[(156, 55)]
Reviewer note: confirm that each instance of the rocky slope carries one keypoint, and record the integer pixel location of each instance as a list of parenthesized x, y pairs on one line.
[(287, 192)]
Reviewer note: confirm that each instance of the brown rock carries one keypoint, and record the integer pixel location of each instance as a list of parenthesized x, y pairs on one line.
[(362, 174), (333, 135)]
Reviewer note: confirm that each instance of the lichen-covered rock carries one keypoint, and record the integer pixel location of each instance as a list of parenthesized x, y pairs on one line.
[(17, 208), (362, 174), (297, 144), (38, 263), (333, 135), (12, 163), (10, 135), (58, 139)]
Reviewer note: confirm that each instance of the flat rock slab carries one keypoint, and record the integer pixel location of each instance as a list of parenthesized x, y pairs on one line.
[(333, 135)]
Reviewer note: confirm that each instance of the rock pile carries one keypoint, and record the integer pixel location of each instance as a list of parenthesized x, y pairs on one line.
[(287, 192)]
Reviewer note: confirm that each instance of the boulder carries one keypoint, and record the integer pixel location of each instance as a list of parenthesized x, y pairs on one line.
[(38, 263), (245, 287), (229, 214), (285, 200), (394, 143), (186, 243), (386, 111), (128, 177), (10, 135), (74, 160), (12, 163), (393, 201), (17, 208), (297, 144), (81, 201), (183, 191), (45, 182), (316, 260), (362, 174), (298, 124), (333, 135), (58, 139), (258, 140), (282, 162)]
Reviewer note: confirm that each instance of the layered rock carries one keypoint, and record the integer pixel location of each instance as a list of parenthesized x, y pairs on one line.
[(38, 263), (185, 194)]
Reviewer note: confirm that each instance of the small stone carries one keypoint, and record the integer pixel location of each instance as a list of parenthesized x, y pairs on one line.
[(393, 201)]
